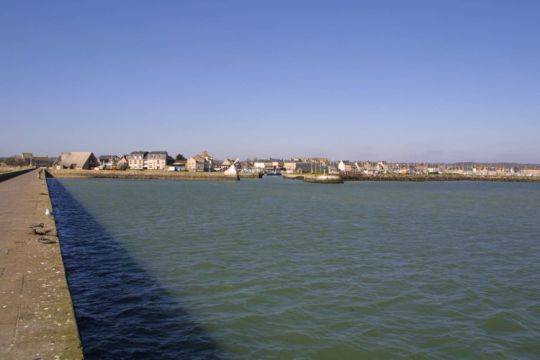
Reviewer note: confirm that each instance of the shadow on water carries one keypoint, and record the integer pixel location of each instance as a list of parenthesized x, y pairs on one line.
[(122, 312)]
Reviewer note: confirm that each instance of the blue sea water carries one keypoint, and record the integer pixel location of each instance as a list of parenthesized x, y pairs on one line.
[(273, 268)]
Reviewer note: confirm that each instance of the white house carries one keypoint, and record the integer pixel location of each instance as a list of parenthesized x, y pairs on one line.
[(136, 160), (345, 166), (156, 160)]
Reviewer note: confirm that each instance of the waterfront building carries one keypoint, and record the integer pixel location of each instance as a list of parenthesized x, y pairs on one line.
[(200, 163), (108, 161), (293, 166), (180, 165), (195, 163), (421, 169), (156, 160), (345, 166), (122, 163), (530, 172), (136, 160), (277, 164), (41, 161), (365, 167), (217, 165), (259, 165), (268, 164), (80, 160), (301, 166), (290, 166)]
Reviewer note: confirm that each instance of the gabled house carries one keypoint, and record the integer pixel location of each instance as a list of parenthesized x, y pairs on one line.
[(200, 162), (156, 160), (197, 163), (80, 160), (122, 163), (345, 166), (136, 160), (108, 161)]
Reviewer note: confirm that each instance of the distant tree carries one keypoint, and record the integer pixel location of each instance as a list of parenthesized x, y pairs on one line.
[(180, 157)]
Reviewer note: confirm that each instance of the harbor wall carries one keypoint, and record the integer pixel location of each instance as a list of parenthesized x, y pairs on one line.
[(11, 174), (37, 318), (141, 174), (438, 177), (423, 178)]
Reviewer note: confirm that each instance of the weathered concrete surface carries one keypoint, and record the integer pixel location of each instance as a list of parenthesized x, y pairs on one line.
[(11, 174), (36, 313)]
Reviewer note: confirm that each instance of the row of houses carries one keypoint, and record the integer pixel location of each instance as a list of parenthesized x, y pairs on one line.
[(204, 162), (137, 160), (150, 160), (470, 169)]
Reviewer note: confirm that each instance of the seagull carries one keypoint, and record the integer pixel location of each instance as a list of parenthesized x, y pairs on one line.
[(48, 212)]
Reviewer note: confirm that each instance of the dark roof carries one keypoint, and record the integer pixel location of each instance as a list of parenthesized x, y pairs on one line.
[(198, 158), (157, 155), (268, 160)]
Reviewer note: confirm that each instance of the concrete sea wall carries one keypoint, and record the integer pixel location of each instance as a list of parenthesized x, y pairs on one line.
[(422, 178), (11, 174), (141, 174), (37, 319), (449, 177)]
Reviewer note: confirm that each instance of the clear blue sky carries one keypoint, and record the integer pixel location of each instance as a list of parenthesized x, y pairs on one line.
[(396, 80)]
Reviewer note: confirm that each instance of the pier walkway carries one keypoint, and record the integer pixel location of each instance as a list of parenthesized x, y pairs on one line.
[(36, 313)]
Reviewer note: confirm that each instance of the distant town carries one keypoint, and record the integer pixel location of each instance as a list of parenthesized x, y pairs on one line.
[(205, 162)]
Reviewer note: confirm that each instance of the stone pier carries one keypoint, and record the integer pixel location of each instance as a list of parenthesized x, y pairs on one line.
[(37, 320)]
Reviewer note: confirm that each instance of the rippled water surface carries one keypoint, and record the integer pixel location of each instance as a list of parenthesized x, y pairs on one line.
[(282, 269)]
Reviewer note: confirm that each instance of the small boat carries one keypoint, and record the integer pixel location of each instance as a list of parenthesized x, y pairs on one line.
[(273, 173)]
